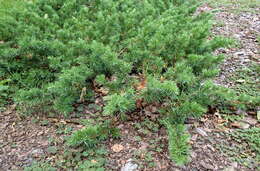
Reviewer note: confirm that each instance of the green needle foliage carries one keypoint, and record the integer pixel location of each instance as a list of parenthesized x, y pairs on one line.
[(52, 50), (178, 139), (91, 136)]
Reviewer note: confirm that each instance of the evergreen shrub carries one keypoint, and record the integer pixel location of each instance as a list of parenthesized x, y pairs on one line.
[(141, 51)]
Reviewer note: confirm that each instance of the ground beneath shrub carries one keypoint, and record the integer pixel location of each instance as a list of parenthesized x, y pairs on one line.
[(144, 144)]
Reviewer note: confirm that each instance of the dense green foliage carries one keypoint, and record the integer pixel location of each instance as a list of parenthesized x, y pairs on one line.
[(53, 49), (139, 50)]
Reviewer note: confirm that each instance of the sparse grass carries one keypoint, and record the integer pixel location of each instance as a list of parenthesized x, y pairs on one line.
[(219, 23), (236, 6), (243, 147), (76, 153), (40, 166), (146, 125), (247, 80), (233, 118), (90, 160)]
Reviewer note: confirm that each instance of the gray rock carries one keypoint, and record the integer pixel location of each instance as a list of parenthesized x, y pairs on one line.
[(27, 162), (207, 166), (250, 121), (240, 112), (240, 53), (234, 164), (244, 125), (129, 166), (201, 132), (37, 152), (230, 168), (240, 81)]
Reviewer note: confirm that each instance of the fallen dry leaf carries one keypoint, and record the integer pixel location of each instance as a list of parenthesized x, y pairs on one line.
[(235, 124), (221, 121), (7, 112), (241, 125), (252, 113), (103, 91), (139, 103), (142, 84), (117, 148), (63, 121), (93, 161), (83, 93), (232, 108)]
